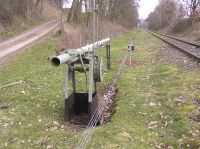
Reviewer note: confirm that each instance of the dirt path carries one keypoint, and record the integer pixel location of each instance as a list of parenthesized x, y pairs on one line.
[(10, 47)]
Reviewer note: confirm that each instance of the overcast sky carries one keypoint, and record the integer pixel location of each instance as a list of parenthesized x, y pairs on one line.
[(67, 4), (147, 6)]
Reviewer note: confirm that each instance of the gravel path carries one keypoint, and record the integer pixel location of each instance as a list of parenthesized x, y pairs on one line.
[(10, 47)]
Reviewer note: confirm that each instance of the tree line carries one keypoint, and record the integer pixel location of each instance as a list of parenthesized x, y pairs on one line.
[(12, 9), (170, 12), (124, 12)]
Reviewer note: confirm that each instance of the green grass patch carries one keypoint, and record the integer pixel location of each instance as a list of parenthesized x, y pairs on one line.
[(147, 116)]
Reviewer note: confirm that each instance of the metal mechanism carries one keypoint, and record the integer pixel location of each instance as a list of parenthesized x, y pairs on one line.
[(95, 21), (84, 61), (130, 49), (87, 134)]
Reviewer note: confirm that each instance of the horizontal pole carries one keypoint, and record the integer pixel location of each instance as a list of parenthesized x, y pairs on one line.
[(56, 61), (71, 54)]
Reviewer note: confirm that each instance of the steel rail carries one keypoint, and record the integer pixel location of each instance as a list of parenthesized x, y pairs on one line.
[(185, 41), (185, 50)]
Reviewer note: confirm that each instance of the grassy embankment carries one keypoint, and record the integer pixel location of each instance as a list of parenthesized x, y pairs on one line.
[(20, 26), (50, 12), (147, 114)]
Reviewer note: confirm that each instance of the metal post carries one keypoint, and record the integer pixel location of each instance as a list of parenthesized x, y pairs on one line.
[(94, 21), (73, 80), (67, 82), (91, 57), (97, 23), (61, 18), (67, 113), (108, 56), (91, 79)]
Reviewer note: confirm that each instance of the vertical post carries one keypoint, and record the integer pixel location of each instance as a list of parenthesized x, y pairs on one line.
[(61, 18), (94, 21), (67, 82), (67, 100), (41, 7), (91, 79), (108, 56), (28, 9), (67, 114), (73, 81), (97, 23), (91, 57)]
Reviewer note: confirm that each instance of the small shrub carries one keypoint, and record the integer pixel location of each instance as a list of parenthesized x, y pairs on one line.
[(75, 36)]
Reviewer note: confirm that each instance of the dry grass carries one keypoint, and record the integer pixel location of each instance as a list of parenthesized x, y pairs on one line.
[(75, 36), (51, 10), (184, 30), (112, 30), (12, 24)]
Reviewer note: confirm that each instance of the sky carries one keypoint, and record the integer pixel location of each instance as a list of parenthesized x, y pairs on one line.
[(146, 7), (67, 4)]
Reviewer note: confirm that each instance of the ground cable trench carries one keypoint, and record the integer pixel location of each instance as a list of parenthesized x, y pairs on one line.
[(103, 108)]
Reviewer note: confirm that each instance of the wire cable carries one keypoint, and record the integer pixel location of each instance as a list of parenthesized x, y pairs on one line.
[(86, 136)]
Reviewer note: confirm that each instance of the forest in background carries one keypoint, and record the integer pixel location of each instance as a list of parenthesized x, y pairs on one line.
[(11, 10), (175, 14), (124, 12), (115, 17)]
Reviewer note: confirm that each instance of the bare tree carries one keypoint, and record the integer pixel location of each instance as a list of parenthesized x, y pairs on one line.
[(164, 14), (181, 12), (124, 12), (192, 7), (75, 11)]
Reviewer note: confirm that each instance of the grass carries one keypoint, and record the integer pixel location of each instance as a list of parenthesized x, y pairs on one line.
[(20, 26), (147, 115)]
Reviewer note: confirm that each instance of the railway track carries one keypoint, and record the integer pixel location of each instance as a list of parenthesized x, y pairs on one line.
[(191, 49)]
